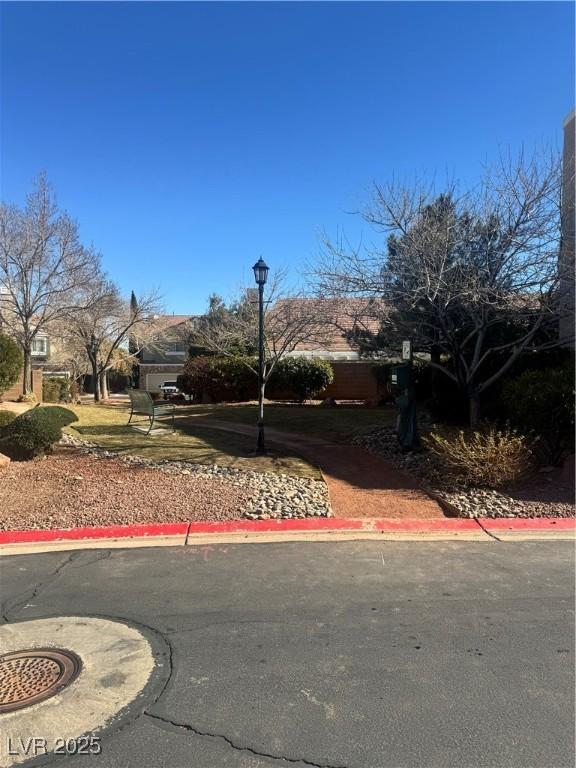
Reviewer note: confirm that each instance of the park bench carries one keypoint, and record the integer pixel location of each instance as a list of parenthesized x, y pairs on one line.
[(142, 404)]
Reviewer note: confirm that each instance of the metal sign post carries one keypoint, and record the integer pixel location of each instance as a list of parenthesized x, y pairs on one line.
[(406, 401)]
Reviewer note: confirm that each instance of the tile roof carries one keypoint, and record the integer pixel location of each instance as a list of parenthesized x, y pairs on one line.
[(342, 316)]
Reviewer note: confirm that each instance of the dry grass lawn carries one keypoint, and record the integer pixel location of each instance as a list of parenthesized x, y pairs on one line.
[(107, 427)]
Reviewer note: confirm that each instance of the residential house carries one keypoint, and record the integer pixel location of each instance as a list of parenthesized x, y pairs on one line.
[(340, 321), (349, 325), (163, 359)]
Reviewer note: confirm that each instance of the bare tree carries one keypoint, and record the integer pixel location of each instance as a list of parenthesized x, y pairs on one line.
[(43, 265), (290, 320), (106, 323), (472, 279)]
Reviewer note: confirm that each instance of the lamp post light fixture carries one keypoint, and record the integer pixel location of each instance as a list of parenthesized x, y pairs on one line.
[(260, 275)]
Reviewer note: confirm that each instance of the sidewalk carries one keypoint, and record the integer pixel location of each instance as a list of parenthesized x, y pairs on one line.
[(359, 484)]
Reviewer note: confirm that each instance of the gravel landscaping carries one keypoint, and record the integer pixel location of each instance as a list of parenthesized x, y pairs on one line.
[(82, 485), (269, 495), (68, 489), (543, 497)]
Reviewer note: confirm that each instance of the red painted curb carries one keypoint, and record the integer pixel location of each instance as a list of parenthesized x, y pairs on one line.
[(267, 526), (433, 525), (104, 532), (150, 530), (529, 524)]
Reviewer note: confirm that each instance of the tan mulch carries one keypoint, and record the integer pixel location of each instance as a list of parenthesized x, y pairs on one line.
[(68, 489)]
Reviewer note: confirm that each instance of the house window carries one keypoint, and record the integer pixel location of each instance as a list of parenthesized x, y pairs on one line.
[(39, 346), (176, 348)]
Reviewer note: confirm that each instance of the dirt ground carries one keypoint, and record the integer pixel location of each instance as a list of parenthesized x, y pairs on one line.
[(69, 489)]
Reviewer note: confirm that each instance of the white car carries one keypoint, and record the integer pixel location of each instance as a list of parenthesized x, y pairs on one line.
[(169, 389)]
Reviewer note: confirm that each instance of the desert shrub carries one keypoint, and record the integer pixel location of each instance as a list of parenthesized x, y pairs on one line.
[(302, 376), (542, 402), (6, 417), (55, 389), (30, 397), (486, 458), (217, 379), (10, 362)]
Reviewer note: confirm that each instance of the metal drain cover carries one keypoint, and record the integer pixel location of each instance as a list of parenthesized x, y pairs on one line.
[(27, 677)]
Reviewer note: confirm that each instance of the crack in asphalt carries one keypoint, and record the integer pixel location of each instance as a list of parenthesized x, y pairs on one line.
[(11, 607), (237, 747)]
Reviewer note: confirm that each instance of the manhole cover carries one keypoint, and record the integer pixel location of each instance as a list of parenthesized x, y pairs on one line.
[(27, 677)]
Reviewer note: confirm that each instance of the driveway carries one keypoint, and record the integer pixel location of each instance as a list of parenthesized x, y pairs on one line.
[(353, 654)]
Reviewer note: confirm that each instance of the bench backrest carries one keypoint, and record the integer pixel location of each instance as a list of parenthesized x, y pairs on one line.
[(141, 401)]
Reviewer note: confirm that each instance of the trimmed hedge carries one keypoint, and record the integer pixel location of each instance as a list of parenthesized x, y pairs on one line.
[(55, 389), (56, 413), (303, 377), (34, 433), (228, 379), (11, 360), (218, 379)]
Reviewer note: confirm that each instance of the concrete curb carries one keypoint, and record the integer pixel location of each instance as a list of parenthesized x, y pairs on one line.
[(173, 534)]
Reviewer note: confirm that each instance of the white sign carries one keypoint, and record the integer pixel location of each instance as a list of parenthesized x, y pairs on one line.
[(406, 350)]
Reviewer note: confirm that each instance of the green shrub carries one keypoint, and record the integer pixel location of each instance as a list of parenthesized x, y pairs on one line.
[(31, 434), (6, 417), (486, 458), (218, 379), (55, 389), (542, 402), (62, 417), (11, 360), (50, 391), (301, 376)]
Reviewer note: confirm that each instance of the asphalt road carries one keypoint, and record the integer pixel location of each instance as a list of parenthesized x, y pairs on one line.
[(380, 655)]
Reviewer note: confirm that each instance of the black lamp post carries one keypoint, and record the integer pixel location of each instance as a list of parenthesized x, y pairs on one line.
[(260, 274)]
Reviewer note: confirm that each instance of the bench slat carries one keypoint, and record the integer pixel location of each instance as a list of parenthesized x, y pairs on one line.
[(141, 403)]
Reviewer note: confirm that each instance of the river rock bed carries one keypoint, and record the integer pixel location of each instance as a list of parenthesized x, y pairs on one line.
[(463, 502), (272, 496)]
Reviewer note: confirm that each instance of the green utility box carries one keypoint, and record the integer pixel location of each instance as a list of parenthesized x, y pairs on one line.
[(401, 376)]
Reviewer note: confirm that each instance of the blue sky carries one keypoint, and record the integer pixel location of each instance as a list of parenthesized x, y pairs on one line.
[(190, 138)]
